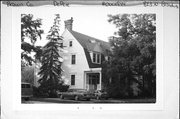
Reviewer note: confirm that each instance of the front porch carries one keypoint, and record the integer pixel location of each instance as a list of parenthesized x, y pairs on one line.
[(93, 80)]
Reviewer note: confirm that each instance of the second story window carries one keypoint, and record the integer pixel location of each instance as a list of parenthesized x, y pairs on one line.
[(73, 59), (70, 44)]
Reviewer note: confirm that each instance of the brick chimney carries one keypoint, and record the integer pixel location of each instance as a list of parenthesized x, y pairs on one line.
[(68, 24)]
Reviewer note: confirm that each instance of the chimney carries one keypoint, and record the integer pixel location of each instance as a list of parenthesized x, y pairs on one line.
[(68, 24)]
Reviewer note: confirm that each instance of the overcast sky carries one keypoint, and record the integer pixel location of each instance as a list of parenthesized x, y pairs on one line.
[(91, 21)]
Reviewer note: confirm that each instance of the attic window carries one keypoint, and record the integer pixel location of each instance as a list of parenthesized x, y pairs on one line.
[(93, 41), (70, 43)]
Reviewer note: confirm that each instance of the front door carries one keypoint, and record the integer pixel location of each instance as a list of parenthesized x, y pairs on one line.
[(93, 80)]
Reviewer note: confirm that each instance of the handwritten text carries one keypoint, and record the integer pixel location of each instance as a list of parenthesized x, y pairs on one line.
[(18, 4), (60, 3), (161, 3), (114, 3)]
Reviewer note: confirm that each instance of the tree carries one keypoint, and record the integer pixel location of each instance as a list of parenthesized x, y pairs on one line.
[(50, 71), (30, 33), (27, 75), (133, 53)]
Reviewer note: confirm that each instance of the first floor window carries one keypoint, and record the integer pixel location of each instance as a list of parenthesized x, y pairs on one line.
[(72, 79)]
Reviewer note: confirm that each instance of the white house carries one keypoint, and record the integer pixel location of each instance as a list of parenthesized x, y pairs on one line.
[(82, 61)]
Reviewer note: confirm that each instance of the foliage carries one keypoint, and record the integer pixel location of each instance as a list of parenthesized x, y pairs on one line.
[(133, 54), (27, 75), (30, 32), (63, 88), (50, 71), (39, 92)]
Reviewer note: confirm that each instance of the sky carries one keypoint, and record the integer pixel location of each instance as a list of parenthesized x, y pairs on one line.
[(92, 21)]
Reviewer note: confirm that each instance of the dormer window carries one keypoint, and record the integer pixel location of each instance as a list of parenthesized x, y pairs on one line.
[(70, 43), (96, 58), (107, 58), (92, 41)]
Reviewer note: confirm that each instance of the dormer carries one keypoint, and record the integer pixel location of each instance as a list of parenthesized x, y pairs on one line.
[(92, 41)]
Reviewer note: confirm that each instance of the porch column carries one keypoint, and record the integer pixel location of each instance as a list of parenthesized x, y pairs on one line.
[(100, 80), (85, 81)]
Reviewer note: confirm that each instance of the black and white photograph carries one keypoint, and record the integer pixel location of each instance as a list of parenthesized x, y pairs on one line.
[(96, 59), (88, 57)]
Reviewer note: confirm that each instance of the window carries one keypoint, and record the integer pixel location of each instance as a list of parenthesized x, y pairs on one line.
[(26, 85), (96, 58), (23, 85), (107, 58), (72, 79), (70, 43), (73, 59)]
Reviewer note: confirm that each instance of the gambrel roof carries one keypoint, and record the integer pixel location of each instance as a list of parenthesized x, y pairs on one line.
[(91, 44)]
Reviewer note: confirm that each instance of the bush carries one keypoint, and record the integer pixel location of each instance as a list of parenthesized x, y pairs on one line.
[(37, 92), (119, 91), (44, 93), (115, 91), (63, 88)]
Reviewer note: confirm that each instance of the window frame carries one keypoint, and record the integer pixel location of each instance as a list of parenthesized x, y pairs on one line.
[(73, 60), (70, 43), (107, 58), (73, 79), (98, 58), (95, 59)]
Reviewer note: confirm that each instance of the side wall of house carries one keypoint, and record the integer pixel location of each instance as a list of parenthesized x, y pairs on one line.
[(81, 64)]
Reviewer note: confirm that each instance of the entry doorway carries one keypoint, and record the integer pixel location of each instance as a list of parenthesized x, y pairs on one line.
[(93, 81)]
